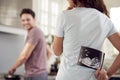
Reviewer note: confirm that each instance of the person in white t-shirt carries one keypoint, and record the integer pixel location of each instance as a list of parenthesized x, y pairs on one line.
[(84, 23)]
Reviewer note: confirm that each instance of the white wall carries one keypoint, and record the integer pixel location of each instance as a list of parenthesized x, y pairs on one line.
[(10, 47), (112, 3), (10, 10)]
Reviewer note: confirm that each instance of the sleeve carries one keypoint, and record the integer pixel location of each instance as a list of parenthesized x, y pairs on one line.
[(59, 29), (113, 29), (33, 37)]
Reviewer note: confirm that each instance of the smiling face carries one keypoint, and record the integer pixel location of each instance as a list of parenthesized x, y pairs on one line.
[(27, 21)]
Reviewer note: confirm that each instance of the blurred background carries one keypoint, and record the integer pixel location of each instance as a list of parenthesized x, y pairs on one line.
[(12, 35)]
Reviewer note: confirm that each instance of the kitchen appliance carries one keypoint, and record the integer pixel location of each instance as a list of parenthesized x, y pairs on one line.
[(12, 77)]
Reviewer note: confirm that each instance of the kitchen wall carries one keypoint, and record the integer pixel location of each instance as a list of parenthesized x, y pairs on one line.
[(112, 3), (11, 36), (10, 9), (10, 47)]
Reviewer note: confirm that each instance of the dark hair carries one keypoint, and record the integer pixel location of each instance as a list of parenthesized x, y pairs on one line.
[(27, 11), (97, 4)]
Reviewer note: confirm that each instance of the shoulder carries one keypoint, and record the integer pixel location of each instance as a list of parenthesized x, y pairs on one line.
[(66, 12), (35, 31), (100, 14), (62, 14)]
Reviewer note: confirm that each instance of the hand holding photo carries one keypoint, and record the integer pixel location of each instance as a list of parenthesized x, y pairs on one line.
[(91, 58)]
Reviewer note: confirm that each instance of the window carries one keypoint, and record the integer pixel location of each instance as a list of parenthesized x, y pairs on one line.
[(47, 15), (108, 48), (115, 16)]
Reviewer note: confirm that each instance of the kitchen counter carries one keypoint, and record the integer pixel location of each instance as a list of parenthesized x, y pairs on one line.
[(50, 77), (2, 77)]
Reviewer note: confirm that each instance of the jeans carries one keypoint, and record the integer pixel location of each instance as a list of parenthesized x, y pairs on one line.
[(42, 76)]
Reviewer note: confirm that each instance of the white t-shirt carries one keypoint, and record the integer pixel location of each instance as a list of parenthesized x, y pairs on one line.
[(80, 27)]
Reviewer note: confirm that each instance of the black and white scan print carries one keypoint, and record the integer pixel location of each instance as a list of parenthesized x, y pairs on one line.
[(90, 57)]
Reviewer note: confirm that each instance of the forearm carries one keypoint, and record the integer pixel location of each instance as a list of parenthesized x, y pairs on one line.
[(58, 45), (114, 67), (21, 59)]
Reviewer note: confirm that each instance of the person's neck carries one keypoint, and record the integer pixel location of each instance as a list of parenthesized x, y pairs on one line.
[(31, 27)]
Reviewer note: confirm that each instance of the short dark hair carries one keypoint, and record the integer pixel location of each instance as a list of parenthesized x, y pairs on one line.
[(27, 11)]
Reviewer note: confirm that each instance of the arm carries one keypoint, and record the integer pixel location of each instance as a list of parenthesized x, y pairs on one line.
[(102, 74), (58, 45), (115, 40), (114, 67), (25, 54)]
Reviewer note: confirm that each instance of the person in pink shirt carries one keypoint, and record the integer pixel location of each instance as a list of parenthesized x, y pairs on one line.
[(34, 53)]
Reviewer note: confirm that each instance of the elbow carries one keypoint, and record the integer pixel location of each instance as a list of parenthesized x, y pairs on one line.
[(57, 53), (23, 59)]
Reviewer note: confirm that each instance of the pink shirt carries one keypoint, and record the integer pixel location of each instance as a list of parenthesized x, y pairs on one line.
[(36, 63)]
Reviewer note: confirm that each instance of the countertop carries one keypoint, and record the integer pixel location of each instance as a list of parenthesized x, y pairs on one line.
[(50, 77)]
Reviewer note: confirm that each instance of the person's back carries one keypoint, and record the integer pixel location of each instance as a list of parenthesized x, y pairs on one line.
[(81, 27), (84, 23), (86, 27)]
